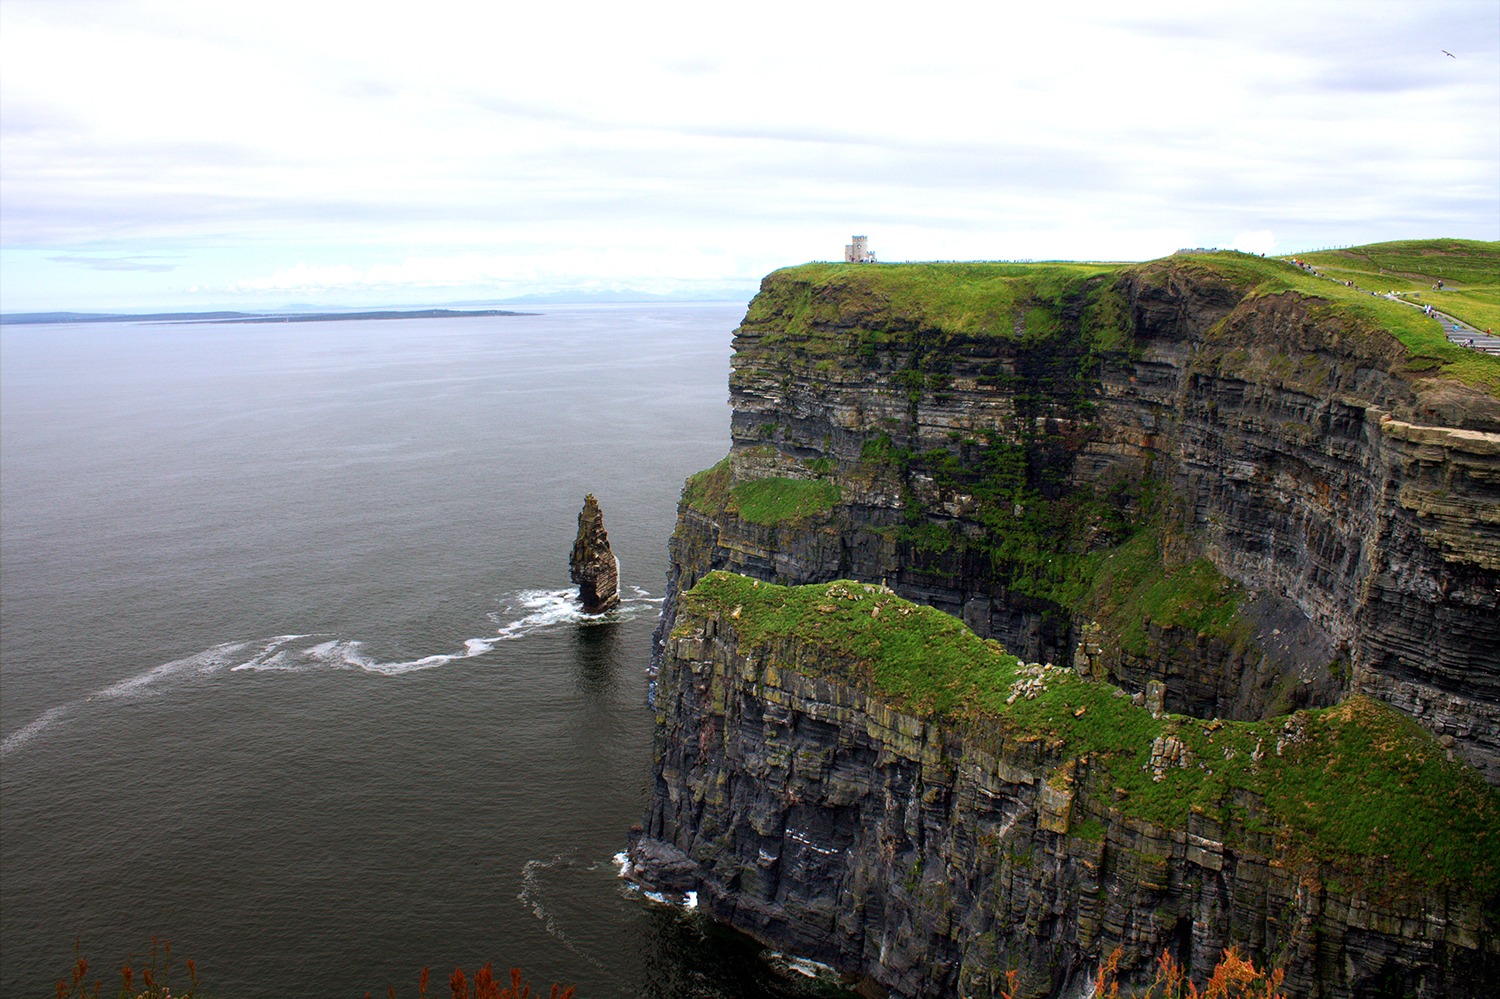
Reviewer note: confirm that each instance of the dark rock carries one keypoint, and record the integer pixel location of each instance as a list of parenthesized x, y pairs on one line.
[(593, 566), (1357, 507), (1305, 466), (826, 823)]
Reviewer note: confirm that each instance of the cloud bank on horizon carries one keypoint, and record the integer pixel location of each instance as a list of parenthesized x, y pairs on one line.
[(187, 155)]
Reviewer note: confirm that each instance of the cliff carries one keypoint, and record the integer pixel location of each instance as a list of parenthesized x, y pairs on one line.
[(912, 804), (1226, 488), (1312, 504)]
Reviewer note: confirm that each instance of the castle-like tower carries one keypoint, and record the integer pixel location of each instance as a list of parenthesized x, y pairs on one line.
[(858, 251)]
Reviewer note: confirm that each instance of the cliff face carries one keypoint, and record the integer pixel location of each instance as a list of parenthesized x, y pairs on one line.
[(1351, 504), (1200, 481), (931, 850)]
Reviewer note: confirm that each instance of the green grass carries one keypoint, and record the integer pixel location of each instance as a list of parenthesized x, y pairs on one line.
[(1468, 268), (1358, 784), (1419, 262), (974, 299), (1360, 313), (774, 500), (708, 491), (1131, 586), (809, 306), (760, 501), (880, 304)]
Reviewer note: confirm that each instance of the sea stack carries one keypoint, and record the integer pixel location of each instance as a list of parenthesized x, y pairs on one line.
[(593, 565)]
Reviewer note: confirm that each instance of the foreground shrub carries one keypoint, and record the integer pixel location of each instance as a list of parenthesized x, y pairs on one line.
[(485, 988), (154, 984), (1233, 978)]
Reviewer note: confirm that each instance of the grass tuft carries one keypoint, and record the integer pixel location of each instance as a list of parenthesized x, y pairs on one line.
[(774, 500), (766, 501)]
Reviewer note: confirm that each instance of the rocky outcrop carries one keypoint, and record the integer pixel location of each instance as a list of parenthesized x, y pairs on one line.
[(1351, 502), (1230, 501), (593, 566), (930, 855)]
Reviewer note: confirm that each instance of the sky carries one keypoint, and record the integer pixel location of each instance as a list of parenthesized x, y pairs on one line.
[(191, 155)]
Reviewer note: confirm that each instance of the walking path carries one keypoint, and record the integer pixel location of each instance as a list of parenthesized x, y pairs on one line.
[(1455, 329), (1462, 333)]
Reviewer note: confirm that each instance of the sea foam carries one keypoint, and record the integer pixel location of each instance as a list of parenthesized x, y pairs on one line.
[(523, 613)]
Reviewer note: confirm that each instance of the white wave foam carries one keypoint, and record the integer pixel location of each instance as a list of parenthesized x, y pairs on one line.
[(685, 901), (525, 612), (22, 736), (804, 966), (412, 665), (323, 649), (542, 609), (530, 896), (202, 662)]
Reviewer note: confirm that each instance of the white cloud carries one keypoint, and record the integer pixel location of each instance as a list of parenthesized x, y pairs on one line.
[(365, 147), (1255, 241)]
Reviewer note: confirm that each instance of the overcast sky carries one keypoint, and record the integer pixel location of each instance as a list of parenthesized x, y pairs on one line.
[(255, 155)]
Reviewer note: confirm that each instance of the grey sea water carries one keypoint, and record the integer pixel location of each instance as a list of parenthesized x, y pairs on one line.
[(289, 670)]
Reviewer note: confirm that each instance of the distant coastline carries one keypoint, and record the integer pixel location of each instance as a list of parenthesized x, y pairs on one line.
[(42, 318)]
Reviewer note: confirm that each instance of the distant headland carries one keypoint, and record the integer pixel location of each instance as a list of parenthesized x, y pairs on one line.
[(38, 318)]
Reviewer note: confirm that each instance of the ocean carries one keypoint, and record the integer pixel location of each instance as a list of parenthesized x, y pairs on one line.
[(291, 673)]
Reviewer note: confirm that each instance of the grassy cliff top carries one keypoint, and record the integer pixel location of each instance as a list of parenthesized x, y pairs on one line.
[(975, 299), (986, 299), (1359, 784), (1468, 268), (1364, 312)]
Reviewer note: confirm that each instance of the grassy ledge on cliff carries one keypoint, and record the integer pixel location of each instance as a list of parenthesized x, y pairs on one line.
[(1358, 786), (760, 501)]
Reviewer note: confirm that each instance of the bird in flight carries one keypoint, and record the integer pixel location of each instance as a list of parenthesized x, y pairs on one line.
[(1450, 55)]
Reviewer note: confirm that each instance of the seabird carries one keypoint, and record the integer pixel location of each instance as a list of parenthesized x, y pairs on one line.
[(1450, 55)]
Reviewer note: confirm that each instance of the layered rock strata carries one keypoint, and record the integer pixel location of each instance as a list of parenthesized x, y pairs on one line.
[(914, 851), (1233, 502), (592, 565), (1353, 502)]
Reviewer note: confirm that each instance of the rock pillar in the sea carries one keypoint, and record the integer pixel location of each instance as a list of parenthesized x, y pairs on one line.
[(593, 565)]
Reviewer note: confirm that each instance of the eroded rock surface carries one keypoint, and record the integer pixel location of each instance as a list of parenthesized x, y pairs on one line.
[(1344, 502), (1356, 505), (593, 566), (822, 821)]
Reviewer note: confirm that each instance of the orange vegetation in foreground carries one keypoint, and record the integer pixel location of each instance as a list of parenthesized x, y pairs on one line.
[(485, 988), (154, 984), (1233, 978)]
